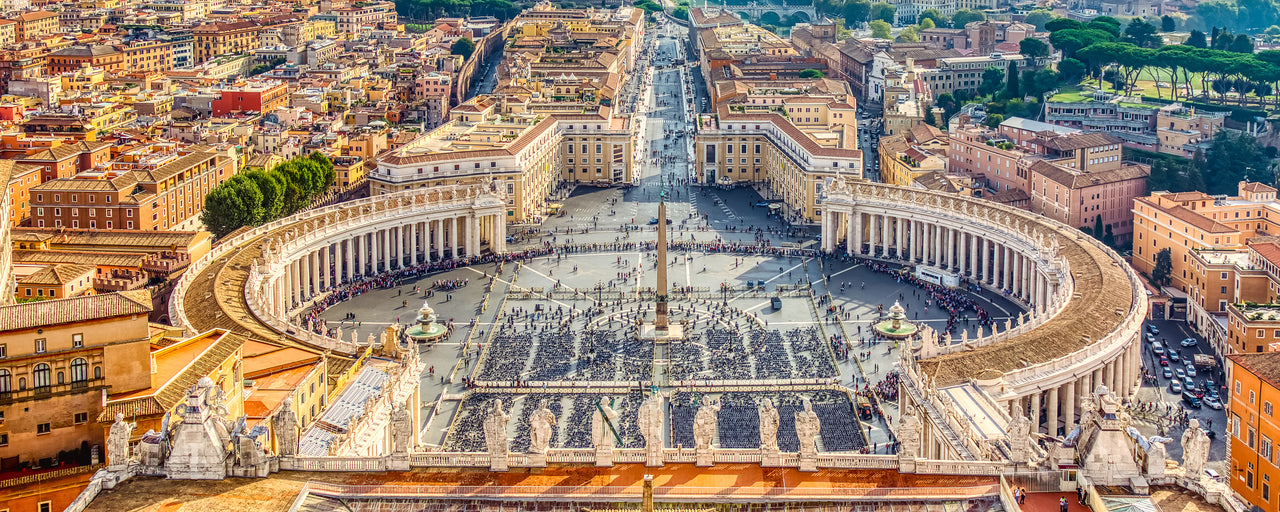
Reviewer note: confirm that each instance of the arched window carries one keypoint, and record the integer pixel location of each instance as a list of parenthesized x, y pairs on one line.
[(79, 370), (97, 372), (40, 376), (5, 381)]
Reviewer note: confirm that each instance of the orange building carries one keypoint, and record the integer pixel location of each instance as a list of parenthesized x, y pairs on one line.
[(1252, 428), (35, 25), (68, 160), (102, 56), (57, 282), (252, 96), (21, 177)]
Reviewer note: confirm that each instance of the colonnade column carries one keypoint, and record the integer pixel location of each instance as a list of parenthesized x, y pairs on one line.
[(326, 276), (1051, 423), (902, 237), (1035, 410), (856, 244), (453, 235), (1068, 407), (872, 238)]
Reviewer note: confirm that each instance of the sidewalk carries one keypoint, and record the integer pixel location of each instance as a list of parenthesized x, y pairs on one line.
[(1048, 502)]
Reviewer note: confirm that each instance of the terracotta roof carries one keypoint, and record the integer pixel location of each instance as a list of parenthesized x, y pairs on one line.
[(33, 16), (1265, 365), (102, 259), (1190, 217), (1257, 187), (1269, 251), (1076, 179), (1010, 196), (1074, 141), (164, 396), (57, 275), (75, 309), (136, 239), (63, 152), (1187, 196)]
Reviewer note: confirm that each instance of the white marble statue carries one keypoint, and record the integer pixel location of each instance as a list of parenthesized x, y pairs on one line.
[(1019, 439), (807, 428), (769, 421), (908, 434), (704, 425), (540, 423), (495, 430), (401, 430), (285, 424), (248, 451), (601, 433), (649, 419), (1157, 455), (1195, 450), (118, 442)]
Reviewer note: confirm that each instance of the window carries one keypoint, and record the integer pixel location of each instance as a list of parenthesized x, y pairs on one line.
[(1266, 408), (43, 428), (4, 349), (82, 417), (5, 381), (40, 376), (4, 439), (40, 346), (77, 340), (79, 370)]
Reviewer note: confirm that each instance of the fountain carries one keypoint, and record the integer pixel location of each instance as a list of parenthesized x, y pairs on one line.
[(427, 329), (896, 327)]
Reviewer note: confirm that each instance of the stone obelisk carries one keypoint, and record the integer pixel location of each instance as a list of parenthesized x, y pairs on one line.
[(660, 322)]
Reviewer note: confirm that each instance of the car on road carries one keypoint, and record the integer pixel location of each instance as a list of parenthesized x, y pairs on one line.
[(1191, 370), (1173, 356), (1181, 374), (776, 303), (654, 221), (1175, 386), (1151, 328), (1164, 361), (1157, 348), (1188, 384), (1212, 402), (1191, 399), (1188, 342), (1167, 373)]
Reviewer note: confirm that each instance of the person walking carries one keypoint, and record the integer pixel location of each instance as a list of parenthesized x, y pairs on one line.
[(1062, 504)]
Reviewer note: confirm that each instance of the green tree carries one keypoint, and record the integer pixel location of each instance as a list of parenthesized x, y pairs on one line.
[(1162, 274), (883, 12), (964, 17), (926, 24), (271, 186), (231, 205), (1234, 157), (811, 73), (1033, 48), (1168, 24), (1141, 33), (1106, 23), (929, 118), (933, 14), (1242, 44), (994, 120), (1039, 17), (992, 78), (908, 35), (1097, 227), (463, 46), (1197, 40), (1109, 238), (856, 12), (1057, 24), (880, 29), (1011, 88), (1071, 69), (681, 12)]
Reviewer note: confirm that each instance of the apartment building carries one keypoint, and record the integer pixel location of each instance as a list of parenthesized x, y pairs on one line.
[(35, 25), (251, 96), (21, 177), (365, 14), (527, 146), (151, 56), (1254, 389), (57, 358), (1171, 129), (170, 196), (214, 39), (71, 59), (67, 160), (907, 156)]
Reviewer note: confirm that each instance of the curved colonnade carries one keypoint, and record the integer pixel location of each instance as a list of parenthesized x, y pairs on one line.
[(252, 282), (1086, 304)]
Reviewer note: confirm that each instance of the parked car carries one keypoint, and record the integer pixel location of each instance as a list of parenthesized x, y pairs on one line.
[(1188, 342), (1151, 338), (776, 303)]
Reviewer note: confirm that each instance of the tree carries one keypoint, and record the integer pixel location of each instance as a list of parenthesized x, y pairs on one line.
[(271, 186), (880, 29), (1142, 34), (929, 118), (811, 73), (1071, 69), (1109, 238), (1039, 17), (883, 12), (1105, 23), (909, 35), (1197, 40), (1234, 157), (231, 205), (933, 14), (856, 12), (964, 17), (1168, 24), (681, 12), (1057, 24), (1223, 41), (991, 79), (1033, 48), (1162, 274), (994, 120), (1011, 85), (463, 46), (926, 24), (1097, 227), (1242, 44)]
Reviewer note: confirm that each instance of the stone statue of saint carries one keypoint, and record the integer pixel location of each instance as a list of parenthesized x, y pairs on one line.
[(909, 434), (401, 430), (540, 423), (285, 424), (704, 425), (1195, 450), (807, 428), (649, 419), (769, 421), (495, 430), (1019, 438), (118, 442), (601, 433)]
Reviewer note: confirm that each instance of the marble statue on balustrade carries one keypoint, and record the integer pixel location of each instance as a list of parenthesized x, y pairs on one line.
[(540, 424), (249, 453), (704, 431), (908, 434), (285, 424), (1157, 456), (495, 436), (1195, 450), (401, 430), (602, 432), (649, 419), (118, 443), (769, 422), (807, 428), (1019, 435)]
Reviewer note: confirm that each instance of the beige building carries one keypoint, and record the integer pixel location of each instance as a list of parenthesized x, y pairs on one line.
[(57, 358)]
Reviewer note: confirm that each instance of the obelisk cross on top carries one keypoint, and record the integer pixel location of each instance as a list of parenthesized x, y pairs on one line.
[(660, 310)]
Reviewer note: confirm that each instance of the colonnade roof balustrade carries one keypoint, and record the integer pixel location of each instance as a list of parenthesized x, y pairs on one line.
[(1106, 306), (212, 293)]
